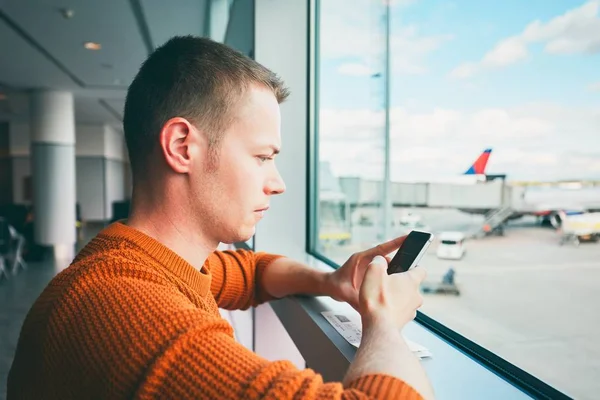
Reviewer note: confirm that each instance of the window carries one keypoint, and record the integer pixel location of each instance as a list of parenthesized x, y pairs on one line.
[(351, 143), (493, 142), (447, 242)]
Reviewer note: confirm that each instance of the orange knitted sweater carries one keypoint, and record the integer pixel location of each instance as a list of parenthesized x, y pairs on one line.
[(131, 319)]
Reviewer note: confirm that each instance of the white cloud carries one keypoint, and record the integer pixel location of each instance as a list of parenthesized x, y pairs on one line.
[(536, 141), (594, 87), (409, 49), (500, 123), (577, 31), (423, 126), (354, 69), (512, 156), (590, 162), (507, 52), (464, 70), (403, 3), (357, 33)]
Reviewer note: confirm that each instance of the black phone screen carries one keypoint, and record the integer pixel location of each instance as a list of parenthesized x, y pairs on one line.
[(408, 252)]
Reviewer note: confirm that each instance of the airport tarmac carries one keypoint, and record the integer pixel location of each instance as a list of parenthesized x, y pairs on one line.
[(522, 296)]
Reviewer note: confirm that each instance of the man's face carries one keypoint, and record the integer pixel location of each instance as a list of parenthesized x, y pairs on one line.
[(234, 192)]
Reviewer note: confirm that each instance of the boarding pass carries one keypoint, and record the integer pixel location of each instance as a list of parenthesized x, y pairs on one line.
[(351, 329)]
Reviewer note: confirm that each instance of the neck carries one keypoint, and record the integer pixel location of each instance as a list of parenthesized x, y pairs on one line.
[(170, 226)]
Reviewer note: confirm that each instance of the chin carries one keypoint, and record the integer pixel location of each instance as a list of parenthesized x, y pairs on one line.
[(242, 235)]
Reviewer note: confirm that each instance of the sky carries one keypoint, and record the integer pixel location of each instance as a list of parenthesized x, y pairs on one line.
[(521, 77)]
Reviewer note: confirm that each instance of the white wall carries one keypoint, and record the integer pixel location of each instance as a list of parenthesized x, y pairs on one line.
[(114, 173), (281, 43), (101, 167), (21, 168), (101, 170), (90, 171), (219, 16), (90, 185), (240, 29), (19, 152), (100, 181), (89, 141), (114, 144), (19, 138)]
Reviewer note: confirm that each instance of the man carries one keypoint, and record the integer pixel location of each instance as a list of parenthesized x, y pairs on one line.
[(136, 314)]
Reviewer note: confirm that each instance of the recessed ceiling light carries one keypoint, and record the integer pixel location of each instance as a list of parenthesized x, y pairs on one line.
[(92, 45), (67, 13)]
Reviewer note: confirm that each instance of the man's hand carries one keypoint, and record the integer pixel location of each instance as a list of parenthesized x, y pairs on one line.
[(393, 298), (386, 304), (344, 284)]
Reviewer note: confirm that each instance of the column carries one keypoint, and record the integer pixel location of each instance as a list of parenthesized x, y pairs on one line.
[(218, 19), (53, 171)]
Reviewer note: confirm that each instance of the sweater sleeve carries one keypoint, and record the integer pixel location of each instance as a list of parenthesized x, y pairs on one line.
[(237, 278), (205, 362), (137, 335)]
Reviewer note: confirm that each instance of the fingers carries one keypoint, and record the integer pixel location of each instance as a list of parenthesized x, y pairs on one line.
[(376, 269), (385, 248), (380, 260), (374, 276), (354, 301), (378, 266), (418, 274)]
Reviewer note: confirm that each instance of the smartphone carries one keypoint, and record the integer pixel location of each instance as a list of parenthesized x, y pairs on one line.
[(410, 252)]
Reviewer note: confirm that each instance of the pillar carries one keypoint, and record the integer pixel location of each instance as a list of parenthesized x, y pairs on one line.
[(53, 171)]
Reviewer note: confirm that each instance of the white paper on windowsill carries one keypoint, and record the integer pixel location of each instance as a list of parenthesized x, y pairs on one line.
[(350, 327)]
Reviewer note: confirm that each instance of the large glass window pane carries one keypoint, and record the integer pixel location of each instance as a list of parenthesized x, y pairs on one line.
[(350, 125), (495, 148)]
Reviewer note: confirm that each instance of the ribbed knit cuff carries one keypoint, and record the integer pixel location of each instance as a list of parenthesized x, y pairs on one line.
[(262, 261), (380, 386)]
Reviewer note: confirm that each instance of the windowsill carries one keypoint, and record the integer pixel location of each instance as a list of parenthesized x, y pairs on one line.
[(453, 374)]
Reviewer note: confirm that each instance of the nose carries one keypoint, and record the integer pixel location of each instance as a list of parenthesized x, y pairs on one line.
[(275, 185)]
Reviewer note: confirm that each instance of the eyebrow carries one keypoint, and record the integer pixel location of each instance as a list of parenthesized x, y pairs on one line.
[(275, 149)]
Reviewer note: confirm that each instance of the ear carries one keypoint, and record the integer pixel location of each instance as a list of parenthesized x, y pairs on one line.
[(175, 138)]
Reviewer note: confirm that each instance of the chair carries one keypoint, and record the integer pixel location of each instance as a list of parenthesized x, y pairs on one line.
[(12, 244), (18, 242), (4, 247)]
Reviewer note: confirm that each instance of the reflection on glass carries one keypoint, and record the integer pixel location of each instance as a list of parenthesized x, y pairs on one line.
[(495, 116)]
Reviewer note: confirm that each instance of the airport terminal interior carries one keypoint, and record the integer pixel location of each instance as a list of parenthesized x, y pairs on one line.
[(476, 123)]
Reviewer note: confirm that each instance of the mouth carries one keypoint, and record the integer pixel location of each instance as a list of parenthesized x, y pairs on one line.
[(261, 211)]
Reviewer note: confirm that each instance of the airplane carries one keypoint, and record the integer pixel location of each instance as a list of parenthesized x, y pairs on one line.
[(339, 196), (475, 173), (550, 206), (478, 167)]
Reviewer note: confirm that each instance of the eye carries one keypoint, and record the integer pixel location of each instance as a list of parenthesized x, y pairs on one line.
[(264, 159)]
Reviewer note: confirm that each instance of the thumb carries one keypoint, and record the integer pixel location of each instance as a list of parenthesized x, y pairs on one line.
[(380, 260), (376, 269), (418, 274)]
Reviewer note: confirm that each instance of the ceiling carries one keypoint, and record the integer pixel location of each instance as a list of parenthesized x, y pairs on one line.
[(41, 47)]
